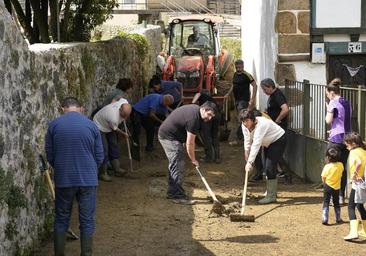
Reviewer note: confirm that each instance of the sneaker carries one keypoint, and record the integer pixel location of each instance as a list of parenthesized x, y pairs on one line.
[(281, 175), (120, 173), (170, 196), (105, 177), (184, 201), (340, 221)]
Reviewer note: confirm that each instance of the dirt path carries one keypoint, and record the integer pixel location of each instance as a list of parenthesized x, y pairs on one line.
[(134, 218)]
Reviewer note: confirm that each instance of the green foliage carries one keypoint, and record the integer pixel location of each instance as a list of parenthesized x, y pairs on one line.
[(77, 18), (141, 42), (233, 46), (86, 15)]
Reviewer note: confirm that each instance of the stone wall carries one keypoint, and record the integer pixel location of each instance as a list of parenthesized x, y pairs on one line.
[(292, 26), (33, 79)]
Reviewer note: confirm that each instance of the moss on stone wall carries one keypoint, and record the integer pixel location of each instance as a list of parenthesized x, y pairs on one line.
[(14, 59), (140, 40)]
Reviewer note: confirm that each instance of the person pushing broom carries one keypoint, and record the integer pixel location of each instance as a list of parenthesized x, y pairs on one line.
[(260, 131)]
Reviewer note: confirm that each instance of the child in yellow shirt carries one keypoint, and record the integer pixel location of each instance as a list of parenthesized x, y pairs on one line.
[(356, 166), (331, 177)]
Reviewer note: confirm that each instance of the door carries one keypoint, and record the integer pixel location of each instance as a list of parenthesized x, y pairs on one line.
[(351, 69)]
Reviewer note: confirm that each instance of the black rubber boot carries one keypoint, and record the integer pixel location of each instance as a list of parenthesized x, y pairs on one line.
[(86, 244), (59, 243)]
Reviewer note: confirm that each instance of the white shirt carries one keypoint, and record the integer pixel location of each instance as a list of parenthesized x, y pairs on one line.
[(108, 118), (264, 134), (160, 61)]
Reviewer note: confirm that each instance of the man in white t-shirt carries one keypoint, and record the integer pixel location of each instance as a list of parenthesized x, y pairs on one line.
[(260, 131), (107, 120)]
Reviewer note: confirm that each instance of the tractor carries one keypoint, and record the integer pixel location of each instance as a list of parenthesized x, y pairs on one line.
[(194, 55)]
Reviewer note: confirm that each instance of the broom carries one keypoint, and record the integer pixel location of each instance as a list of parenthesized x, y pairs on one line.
[(241, 217)]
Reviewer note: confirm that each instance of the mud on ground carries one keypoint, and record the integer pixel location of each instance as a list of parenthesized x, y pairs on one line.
[(134, 218)]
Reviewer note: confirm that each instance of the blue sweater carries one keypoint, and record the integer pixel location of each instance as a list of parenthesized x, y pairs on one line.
[(74, 149)]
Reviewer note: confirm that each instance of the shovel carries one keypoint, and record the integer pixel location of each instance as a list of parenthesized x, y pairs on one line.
[(217, 207), (128, 147), (46, 173), (241, 216)]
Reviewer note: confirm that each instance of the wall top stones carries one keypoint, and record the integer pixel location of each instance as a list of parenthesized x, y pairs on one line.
[(293, 5)]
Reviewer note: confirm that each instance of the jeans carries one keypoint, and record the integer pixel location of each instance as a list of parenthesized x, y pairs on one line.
[(273, 154), (86, 198), (210, 136), (239, 105), (344, 156), (110, 146), (329, 193), (175, 153), (139, 120), (352, 206)]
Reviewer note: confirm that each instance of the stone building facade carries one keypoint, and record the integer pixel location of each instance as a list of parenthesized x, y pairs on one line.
[(293, 28)]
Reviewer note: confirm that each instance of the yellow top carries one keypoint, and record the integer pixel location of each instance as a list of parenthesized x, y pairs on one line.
[(355, 155), (332, 173)]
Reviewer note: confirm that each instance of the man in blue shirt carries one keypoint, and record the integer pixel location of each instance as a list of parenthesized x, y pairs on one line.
[(168, 87), (74, 149), (145, 112)]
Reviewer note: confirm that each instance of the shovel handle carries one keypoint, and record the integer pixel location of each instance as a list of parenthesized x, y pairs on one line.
[(244, 193), (207, 186), (128, 146), (50, 184)]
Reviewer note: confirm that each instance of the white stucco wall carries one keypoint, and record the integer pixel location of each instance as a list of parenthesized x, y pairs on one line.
[(341, 14), (259, 41), (315, 73)]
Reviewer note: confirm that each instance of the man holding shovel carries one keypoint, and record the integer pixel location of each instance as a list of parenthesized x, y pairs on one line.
[(180, 127), (107, 120), (74, 149)]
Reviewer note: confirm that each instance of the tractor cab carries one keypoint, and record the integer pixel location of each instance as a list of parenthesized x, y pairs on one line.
[(194, 53)]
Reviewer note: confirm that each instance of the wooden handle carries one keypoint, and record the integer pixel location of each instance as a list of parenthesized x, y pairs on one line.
[(128, 146), (207, 186), (50, 184), (244, 193), (127, 141)]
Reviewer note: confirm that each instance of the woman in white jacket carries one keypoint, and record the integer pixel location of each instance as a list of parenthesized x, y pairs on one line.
[(260, 131)]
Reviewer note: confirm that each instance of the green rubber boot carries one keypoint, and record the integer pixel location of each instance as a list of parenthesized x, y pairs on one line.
[(271, 195), (59, 243)]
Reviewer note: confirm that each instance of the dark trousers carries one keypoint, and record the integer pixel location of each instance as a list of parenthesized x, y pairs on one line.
[(175, 153), (86, 198), (259, 162), (210, 136), (352, 207), (329, 193), (110, 146), (273, 154), (139, 120), (344, 156), (239, 105)]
